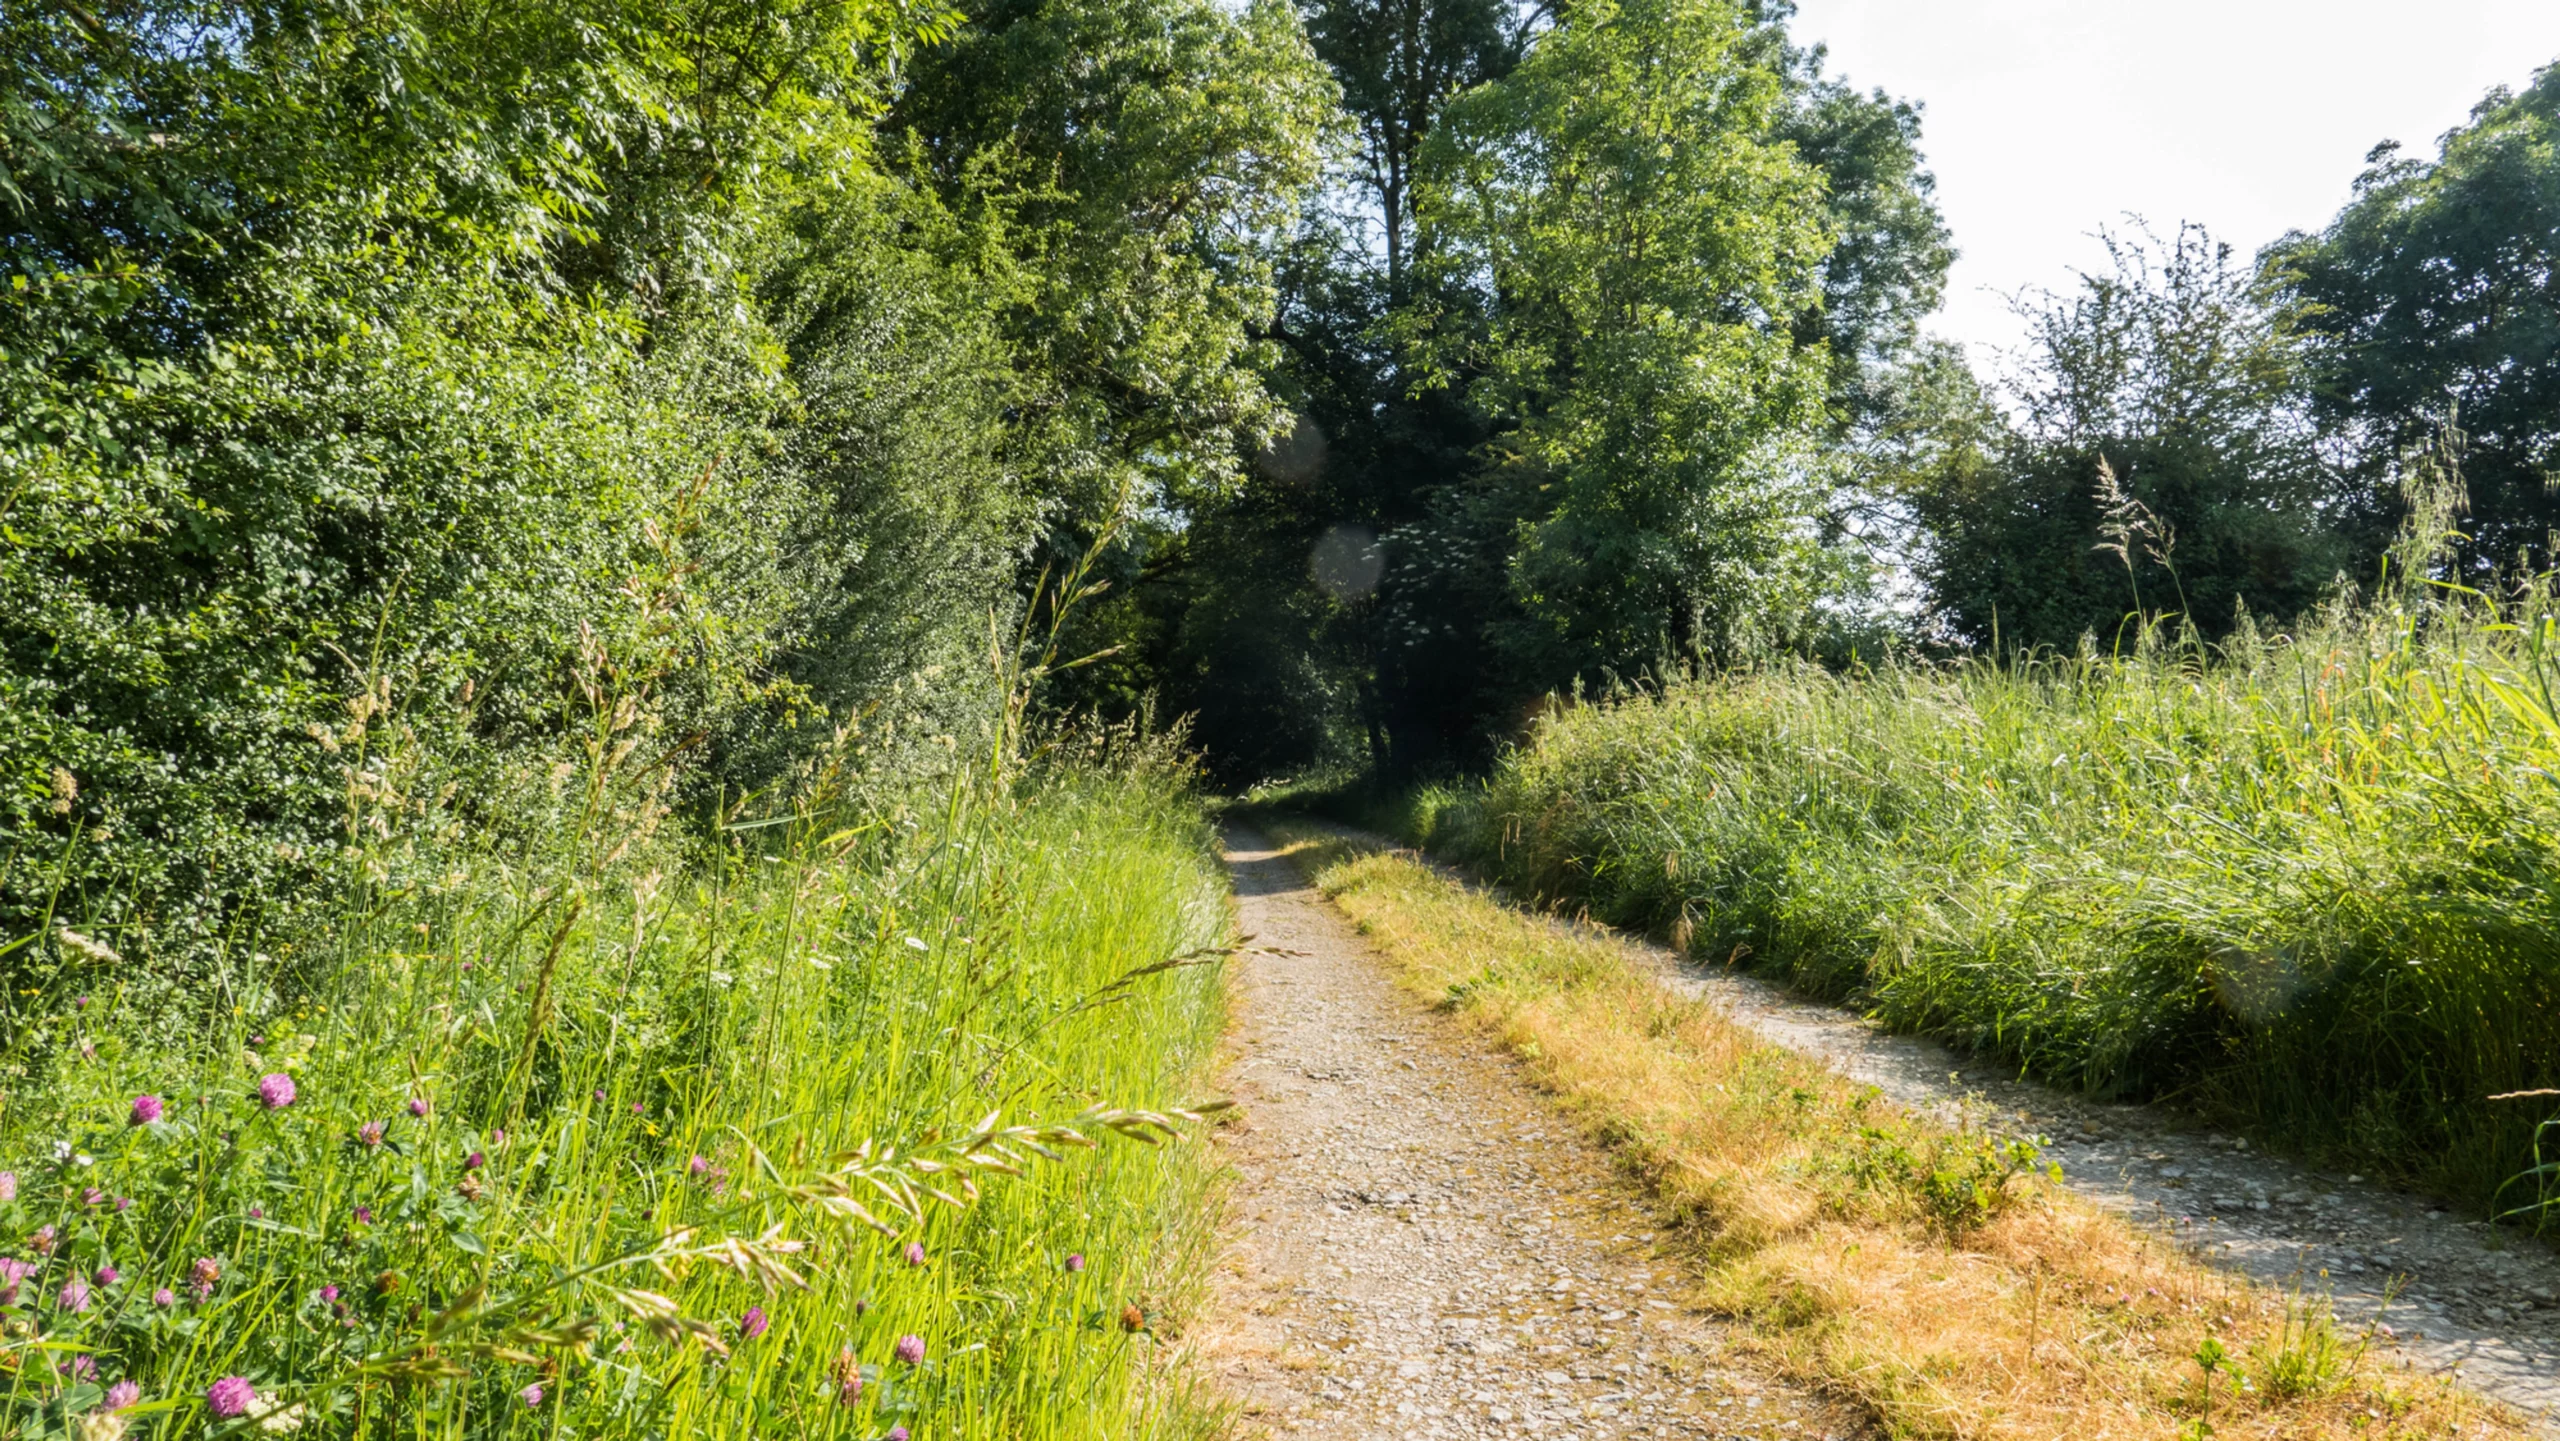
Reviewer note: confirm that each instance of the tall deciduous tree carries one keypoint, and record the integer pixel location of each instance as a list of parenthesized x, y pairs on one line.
[(2434, 299), (1640, 244), (2166, 383), (1400, 62)]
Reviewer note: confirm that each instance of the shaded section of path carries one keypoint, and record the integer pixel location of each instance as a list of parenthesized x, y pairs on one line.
[(1423, 1251)]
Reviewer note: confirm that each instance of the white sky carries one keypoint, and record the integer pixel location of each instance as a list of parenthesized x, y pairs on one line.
[(2047, 119)]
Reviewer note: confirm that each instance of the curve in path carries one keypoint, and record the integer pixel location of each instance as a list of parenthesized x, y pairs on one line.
[(1424, 1251)]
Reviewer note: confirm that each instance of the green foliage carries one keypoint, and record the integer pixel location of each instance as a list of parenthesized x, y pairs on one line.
[(1958, 1182), (2170, 374), (2303, 884), (601, 1152), (458, 367), (1123, 164), (2306, 1357), (2433, 300), (1632, 232), (1553, 493)]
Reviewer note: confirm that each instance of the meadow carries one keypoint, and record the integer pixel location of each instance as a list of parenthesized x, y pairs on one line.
[(864, 1122), (2303, 883)]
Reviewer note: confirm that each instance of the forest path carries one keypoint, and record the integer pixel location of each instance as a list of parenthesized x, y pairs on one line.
[(2472, 1301), (1426, 1252)]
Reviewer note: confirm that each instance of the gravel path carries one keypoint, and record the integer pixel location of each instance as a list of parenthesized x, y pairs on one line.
[(2472, 1301), (1425, 1252)]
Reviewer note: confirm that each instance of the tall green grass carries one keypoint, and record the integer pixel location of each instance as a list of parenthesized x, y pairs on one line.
[(631, 1120), (2305, 883)]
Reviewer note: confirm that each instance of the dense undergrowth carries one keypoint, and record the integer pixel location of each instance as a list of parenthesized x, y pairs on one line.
[(594, 1146), (2302, 882)]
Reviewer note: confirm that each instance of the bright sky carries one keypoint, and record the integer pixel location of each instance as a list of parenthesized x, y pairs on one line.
[(2047, 119)]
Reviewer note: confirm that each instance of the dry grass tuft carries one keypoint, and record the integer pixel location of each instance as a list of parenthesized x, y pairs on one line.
[(1922, 1272)]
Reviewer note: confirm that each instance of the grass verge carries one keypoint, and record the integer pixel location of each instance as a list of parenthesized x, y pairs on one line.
[(598, 1156), (1930, 1276)]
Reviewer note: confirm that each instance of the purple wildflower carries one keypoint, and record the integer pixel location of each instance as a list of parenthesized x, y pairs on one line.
[(371, 1132), (257, 1040), (276, 1089), (531, 1395), (915, 1253), (599, 1093), (639, 1109), (82, 1368), (861, 1304), (231, 1396), (752, 1324), (91, 1198), (12, 1271), (364, 1215), (146, 1109), (417, 1105), (109, 1275), (257, 1213), (8, 1186), (697, 1165), (911, 1349), (164, 1297), (897, 1433), (329, 1294), (1075, 1262), (474, 1161), (203, 1274), (123, 1204), (74, 1295), (123, 1394), (81, 1004), (42, 1241)]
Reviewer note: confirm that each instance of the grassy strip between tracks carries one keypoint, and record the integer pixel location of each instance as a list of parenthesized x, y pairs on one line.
[(1935, 1277)]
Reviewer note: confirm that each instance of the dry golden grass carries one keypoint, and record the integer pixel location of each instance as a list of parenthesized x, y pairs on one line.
[(2045, 1318)]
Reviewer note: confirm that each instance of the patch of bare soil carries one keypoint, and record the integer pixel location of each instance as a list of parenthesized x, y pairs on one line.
[(1421, 1250)]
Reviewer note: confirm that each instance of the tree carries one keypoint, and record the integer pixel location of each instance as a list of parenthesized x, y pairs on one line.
[(2168, 379), (1400, 62), (1639, 244), (2433, 301), (1887, 265), (1126, 171)]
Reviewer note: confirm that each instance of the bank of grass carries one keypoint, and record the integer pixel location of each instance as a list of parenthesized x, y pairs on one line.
[(2309, 885), (592, 1152), (1930, 1276)]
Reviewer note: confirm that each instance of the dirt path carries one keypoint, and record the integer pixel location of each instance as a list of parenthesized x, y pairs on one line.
[(2473, 1301), (1425, 1251)]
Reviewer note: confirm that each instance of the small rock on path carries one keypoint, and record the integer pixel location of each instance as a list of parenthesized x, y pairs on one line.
[(1424, 1251)]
